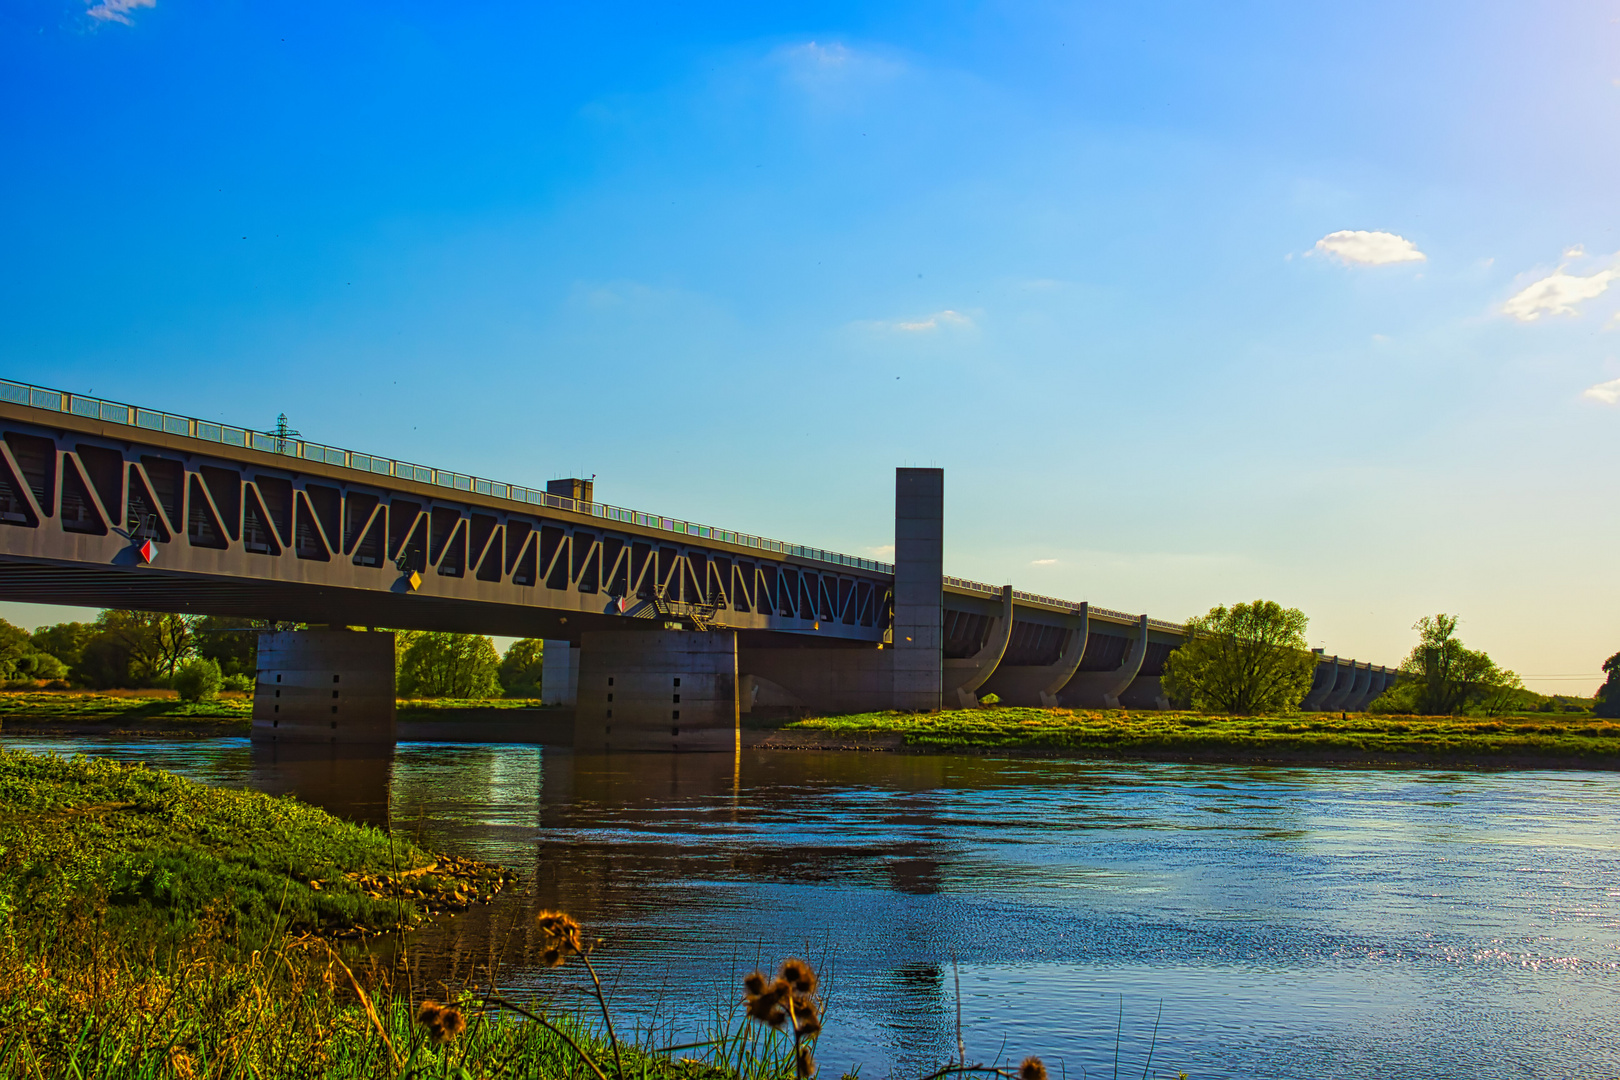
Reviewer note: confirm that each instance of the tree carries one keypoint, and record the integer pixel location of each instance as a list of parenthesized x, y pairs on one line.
[(21, 659), (229, 642), (152, 643), (16, 651), (1447, 678), (65, 641), (450, 665), (1608, 702), (520, 668), (1246, 659)]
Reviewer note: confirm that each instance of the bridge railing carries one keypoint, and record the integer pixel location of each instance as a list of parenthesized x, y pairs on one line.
[(1037, 598), (40, 397)]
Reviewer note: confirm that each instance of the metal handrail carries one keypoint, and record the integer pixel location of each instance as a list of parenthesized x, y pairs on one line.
[(40, 397), (1037, 598)]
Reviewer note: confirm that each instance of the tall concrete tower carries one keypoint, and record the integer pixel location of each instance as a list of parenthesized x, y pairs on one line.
[(919, 587)]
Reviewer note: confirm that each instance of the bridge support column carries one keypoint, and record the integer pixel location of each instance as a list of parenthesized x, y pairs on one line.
[(559, 673), (1130, 668), (1345, 679), (324, 686), (967, 676), (1069, 662), (919, 588), (661, 690), (1322, 677)]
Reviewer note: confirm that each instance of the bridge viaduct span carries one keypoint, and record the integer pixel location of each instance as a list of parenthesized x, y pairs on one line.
[(672, 628)]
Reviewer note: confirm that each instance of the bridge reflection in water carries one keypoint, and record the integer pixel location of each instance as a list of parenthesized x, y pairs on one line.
[(349, 781)]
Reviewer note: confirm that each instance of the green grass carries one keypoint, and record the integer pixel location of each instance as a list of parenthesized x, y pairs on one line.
[(1123, 733), (159, 856), (163, 709), (431, 704), (113, 707)]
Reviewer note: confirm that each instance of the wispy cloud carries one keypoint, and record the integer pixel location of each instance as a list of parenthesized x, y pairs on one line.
[(1606, 392), (938, 319), (117, 10), (834, 68), (1358, 247), (818, 55), (1557, 294), (1043, 562)]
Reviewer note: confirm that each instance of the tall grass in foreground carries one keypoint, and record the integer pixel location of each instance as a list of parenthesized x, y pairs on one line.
[(91, 1010)]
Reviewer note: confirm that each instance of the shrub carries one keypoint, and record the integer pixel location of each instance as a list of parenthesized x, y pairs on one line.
[(241, 684), (197, 680)]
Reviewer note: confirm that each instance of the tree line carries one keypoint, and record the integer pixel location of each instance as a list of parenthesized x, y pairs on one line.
[(137, 649), (1254, 659)]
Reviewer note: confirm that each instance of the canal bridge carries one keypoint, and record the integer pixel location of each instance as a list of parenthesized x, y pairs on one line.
[(107, 504)]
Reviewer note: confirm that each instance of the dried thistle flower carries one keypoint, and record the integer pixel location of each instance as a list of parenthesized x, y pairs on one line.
[(761, 1007), (561, 935), (451, 1023), (804, 1061), (809, 1023), (428, 1013), (754, 983), (1032, 1069), (801, 976)]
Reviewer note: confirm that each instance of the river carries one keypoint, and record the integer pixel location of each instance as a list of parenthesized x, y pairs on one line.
[(1289, 923)]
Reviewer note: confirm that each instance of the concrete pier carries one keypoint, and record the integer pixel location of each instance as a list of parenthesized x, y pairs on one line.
[(559, 672), (919, 582), (665, 690), (324, 686)]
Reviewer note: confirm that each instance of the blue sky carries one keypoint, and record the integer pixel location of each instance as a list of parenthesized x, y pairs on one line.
[(1194, 304)]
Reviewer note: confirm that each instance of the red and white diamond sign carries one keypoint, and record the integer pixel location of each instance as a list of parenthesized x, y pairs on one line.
[(146, 551)]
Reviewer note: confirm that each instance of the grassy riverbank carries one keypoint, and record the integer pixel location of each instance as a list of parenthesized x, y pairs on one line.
[(124, 710), (161, 712), (157, 857), (155, 927), (1303, 738)]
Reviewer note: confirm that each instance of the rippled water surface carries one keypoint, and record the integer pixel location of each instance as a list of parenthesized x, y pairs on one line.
[(1292, 922)]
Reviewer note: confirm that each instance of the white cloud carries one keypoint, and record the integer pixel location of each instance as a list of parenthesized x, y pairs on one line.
[(935, 321), (117, 10), (1043, 562), (1357, 247), (881, 552), (1575, 252), (1557, 294), (1606, 392)]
